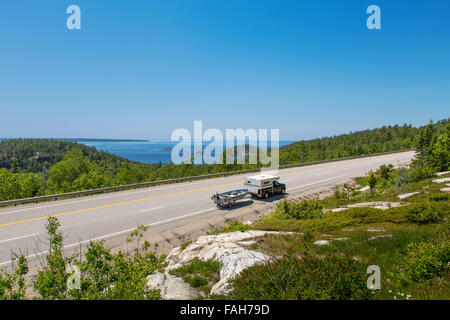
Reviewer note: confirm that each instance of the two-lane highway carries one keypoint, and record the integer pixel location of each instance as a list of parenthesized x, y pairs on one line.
[(22, 228)]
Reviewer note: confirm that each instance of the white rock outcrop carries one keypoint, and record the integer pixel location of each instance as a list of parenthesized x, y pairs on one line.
[(407, 195), (383, 205), (441, 180), (364, 189), (231, 249), (322, 243), (335, 210), (385, 236)]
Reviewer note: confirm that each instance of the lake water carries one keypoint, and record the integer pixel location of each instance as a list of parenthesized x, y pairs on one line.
[(147, 152)]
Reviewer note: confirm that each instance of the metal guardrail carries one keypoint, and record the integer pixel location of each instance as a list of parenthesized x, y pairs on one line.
[(175, 180)]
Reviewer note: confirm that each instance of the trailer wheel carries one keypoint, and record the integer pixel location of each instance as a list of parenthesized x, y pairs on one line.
[(266, 195)]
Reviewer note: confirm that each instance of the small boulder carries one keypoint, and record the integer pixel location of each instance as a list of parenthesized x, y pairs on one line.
[(322, 243), (385, 236), (364, 189), (375, 230), (341, 239)]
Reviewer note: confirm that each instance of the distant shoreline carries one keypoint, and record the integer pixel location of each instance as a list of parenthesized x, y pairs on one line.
[(102, 140), (84, 139)]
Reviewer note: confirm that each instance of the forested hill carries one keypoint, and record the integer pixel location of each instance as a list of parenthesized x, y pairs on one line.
[(384, 139), (29, 155)]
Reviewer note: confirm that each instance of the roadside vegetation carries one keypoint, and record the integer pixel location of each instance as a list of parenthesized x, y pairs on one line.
[(327, 254), (98, 275), (75, 167)]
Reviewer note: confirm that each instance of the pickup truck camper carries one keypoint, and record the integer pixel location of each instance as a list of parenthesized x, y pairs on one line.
[(264, 185)]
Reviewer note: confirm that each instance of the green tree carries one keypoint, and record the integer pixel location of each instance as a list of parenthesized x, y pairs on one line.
[(9, 185), (423, 143), (63, 174), (440, 152), (371, 180)]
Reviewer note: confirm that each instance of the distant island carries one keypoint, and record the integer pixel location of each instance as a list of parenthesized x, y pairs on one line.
[(100, 140), (85, 139)]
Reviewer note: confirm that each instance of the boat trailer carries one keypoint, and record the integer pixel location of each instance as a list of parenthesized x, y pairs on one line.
[(227, 199)]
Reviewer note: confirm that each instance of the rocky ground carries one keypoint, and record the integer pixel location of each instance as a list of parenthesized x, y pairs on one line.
[(231, 249)]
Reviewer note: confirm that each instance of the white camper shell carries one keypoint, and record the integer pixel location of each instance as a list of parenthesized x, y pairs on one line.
[(260, 185)]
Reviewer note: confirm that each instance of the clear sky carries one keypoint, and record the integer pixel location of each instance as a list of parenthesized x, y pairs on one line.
[(140, 69)]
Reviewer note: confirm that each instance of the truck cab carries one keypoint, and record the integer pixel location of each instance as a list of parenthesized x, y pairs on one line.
[(264, 186)]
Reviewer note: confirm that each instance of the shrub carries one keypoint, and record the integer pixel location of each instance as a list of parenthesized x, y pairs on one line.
[(385, 171), (424, 261), (305, 278), (12, 286), (51, 280), (104, 275), (422, 213), (439, 197), (371, 180), (305, 209), (418, 173)]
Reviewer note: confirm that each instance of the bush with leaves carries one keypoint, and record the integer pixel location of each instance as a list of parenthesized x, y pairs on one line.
[(12, 286), (371, 180), (440, 153), (51, 281), (305, 209), (424, 261), (103, 275), (116, 276), (423, 212), (306, 278)]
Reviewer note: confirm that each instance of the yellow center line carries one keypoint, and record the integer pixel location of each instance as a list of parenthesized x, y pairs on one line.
[(144, 199), (114, 204)]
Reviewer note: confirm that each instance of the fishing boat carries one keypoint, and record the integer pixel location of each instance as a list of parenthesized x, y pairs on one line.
[(227, 199)]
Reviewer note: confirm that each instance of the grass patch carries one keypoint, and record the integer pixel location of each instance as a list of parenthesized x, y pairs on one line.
[(422, 212), (200, 274), (185, 244), (234, 226)]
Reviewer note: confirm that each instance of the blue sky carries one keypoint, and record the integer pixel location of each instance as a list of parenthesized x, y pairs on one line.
[(140, 69)]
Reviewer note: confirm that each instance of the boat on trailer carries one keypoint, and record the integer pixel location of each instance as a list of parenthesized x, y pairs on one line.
[(227, 199)]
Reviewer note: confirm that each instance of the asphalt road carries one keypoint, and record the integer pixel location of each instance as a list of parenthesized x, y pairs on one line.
[(108, 216)]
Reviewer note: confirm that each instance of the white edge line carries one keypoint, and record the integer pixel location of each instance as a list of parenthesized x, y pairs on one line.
[(18, 238), (114, 234)]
